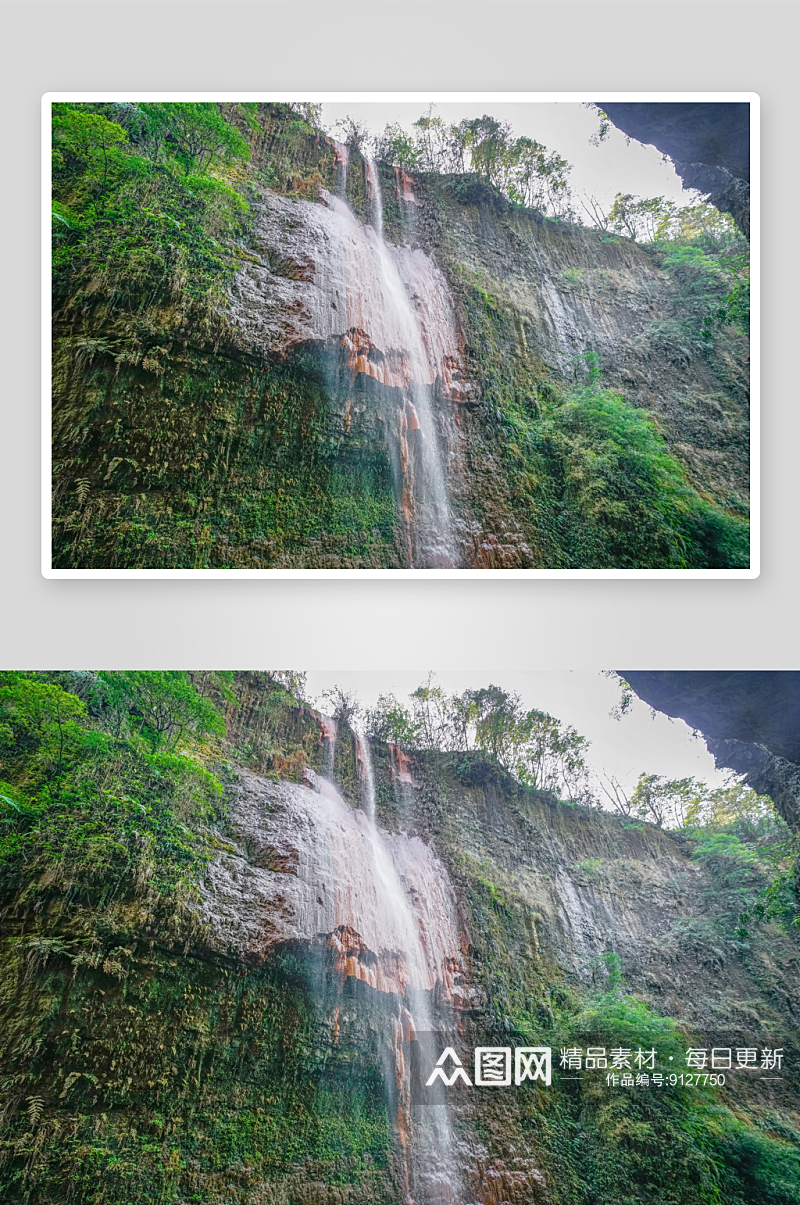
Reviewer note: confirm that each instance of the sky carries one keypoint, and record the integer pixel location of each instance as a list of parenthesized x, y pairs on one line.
[(566, 126), (638, 743)]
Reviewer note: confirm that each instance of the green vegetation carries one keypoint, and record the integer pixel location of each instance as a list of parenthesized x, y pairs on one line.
[(130, 1069), (677, 1145), (520, 168), (537, 749), (168, 453), (95, 818), (735, 834), (246, 466), (145, 213), (625, 499), (608, 492), (703, 250)]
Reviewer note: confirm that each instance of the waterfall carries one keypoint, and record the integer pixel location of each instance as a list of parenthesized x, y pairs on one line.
[(418, 434), (341, 157), (434, 1138), (367, 773), (379, 907), (380, 310)]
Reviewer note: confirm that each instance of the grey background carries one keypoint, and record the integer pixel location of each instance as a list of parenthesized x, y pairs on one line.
[(397, 46)]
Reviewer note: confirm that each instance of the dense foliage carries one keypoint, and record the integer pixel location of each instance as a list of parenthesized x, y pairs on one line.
[(625, 500), (533, 746), (145, 208), (521, 168), (99, 804), (681, 1145)]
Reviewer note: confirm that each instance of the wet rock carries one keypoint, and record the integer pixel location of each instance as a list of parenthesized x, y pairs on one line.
[(308, 867)]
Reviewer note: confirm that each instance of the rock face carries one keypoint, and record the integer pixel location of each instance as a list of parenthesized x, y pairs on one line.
[(500, 301), (355, 917), (305, 868), (309, 867), (322, 275), (709, 144)]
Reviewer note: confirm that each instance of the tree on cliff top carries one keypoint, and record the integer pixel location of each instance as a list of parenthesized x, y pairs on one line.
[(533, 746), (521, 168)]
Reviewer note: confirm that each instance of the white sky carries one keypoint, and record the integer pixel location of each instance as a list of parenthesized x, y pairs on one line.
[(565, 126), (583, 698)]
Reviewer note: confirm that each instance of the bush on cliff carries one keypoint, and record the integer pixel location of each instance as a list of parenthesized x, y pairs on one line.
[(625, 499)]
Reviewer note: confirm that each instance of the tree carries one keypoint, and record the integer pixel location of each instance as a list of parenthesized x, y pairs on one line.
[(162, 706), (343, 705), (310, 112), (395, 145), (533, 746), (355, 134), (616, 794), (554, 758), (435, 142), (703, 222), (292, 681), (523, 169), (595, 211), (195, 134), (489, 147), (389, 720), (640, 218), (735, 803), (498, 722), (538, 179), (41, 715), (440, 719), (87, 143), (665, 802)]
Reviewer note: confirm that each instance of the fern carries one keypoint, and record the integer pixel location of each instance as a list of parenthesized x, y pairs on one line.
[(35, 1110)]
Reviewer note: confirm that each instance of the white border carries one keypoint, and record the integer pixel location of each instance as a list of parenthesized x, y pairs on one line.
[(414, 98)]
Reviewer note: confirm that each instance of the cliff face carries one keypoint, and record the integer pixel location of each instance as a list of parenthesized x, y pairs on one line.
[(374, 390), (508, 302), (267, 1035), (578, 883)]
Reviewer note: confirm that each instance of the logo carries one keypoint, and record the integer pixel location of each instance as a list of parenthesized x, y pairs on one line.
[(493, 1066), (439, 1073)]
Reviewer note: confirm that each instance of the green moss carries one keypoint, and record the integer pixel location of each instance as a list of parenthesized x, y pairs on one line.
[(173, 450), (134, 1068), (186, 1078), (245, 466)]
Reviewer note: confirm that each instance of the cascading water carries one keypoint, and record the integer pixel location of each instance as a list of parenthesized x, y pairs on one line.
[(378, 907), (380, 310), (425, 506), (328, 731), (341, 157), (435, 1167)]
